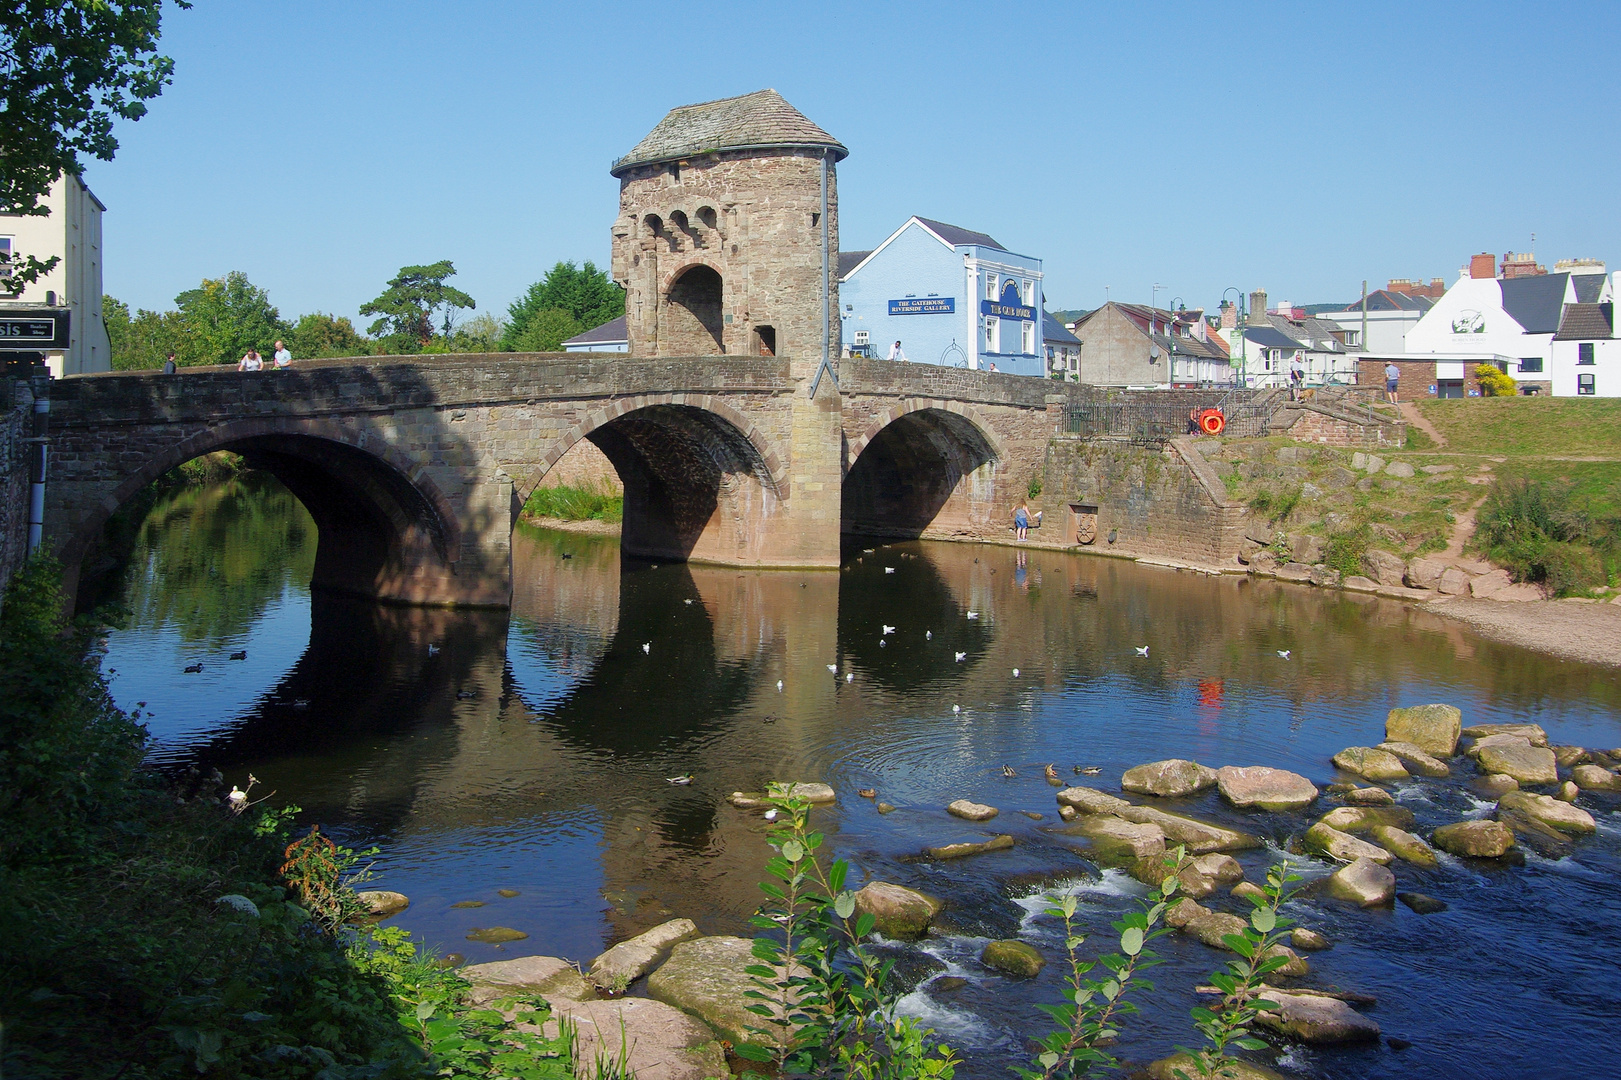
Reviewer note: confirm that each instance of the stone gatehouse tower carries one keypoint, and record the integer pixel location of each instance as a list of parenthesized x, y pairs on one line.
[(719, 236)]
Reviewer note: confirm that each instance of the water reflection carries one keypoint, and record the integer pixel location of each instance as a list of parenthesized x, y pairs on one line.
[(532, 753)]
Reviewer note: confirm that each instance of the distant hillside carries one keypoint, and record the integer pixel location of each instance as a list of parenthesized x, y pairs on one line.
[(1067, 317)]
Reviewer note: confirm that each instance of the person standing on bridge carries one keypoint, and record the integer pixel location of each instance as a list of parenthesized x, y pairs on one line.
[(895, 352), (169, 364), (251, 361), (283, 358)]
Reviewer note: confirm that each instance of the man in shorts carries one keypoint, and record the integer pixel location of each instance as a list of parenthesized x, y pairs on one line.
[(1392, 374)]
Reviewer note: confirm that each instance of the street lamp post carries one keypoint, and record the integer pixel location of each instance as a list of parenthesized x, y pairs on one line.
[(1238, 338)]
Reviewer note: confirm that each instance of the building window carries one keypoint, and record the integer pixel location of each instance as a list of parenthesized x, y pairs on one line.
[(1029, 293), (1027, 338), (1530, 365), (5, 267), (993, 335), (1584, 354), (1584, 384), (990, 286)]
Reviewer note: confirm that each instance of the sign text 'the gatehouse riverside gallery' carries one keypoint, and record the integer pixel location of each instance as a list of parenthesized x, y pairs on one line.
[(929, 305)]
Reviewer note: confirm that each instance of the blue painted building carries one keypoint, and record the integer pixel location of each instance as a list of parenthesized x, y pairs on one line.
[(951, 296)]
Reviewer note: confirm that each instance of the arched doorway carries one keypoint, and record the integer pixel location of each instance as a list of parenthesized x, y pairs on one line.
[(692, 324)]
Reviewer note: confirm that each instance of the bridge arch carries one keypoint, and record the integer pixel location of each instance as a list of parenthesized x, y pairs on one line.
[(921, 465), (700, 480), (385, 530)]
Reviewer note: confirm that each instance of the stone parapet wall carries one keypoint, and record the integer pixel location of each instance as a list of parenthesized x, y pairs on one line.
[(1328, 426), (1158, 503), (16, 459)]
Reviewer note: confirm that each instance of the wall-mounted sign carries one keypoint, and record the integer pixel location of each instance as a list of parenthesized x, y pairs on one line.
[(33, 330), (1009, 306), (928, 305), (1469, 322)]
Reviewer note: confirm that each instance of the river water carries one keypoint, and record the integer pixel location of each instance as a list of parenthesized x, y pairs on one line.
[(483, 752)]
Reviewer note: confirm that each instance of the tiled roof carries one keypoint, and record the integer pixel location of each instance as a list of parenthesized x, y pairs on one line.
[(849, 260), (1589, 287), (1584, 322), (609, 332), (1053, 331), (1390, 300), (1271, 338), (1535, 302), (762, 118), (957, 237)]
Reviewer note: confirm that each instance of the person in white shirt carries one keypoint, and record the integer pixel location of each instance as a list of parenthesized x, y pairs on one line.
[(251, 361), (283, 358), (895, 352)]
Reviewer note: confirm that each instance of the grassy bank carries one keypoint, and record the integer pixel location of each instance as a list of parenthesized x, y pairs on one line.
[(593, 502), (1518, 426), (147, 931), (1556, 523)]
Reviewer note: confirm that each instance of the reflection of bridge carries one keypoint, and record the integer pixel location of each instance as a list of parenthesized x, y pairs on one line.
[(414, 469)]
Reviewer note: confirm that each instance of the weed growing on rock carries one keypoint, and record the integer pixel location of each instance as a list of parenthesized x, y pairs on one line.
[(823, 996)]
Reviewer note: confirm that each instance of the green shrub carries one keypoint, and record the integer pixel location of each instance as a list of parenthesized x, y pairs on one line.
[(1035, 486), (1542, 531), (1494, 382), (593, 502), (1344, 551)]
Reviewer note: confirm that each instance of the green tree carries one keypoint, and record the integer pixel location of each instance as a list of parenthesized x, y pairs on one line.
[(144, 340), (408, 306), (546, 331), (69, 70), (585, 294), (318, 335), (229, 316)]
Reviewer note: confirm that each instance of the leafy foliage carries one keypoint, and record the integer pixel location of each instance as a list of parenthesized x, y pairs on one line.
[(71, 70), (319, 335), (583, 294), (1231, 1022), (1086, 1020), (594, 502), (1344, 550), (1543, 530), (414, 299), (228, 316), (1494, 382), (823, 997)]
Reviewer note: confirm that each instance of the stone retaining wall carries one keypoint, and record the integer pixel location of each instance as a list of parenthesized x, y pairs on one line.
[(16, 424)]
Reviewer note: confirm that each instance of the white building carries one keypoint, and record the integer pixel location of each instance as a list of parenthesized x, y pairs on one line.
[(72, 234), (1585, 358), (1390, 315), (1515, 318), (1272, 340)]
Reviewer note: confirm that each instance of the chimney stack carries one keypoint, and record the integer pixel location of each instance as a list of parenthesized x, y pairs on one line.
[(1483, 265), (1258, 306), (1229, 315)]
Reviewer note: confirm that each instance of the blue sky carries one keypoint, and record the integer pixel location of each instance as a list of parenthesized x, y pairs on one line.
[(1299, 148)]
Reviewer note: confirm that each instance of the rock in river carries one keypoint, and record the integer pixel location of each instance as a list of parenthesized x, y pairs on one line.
[(1310, 940), (1531, 733), (970, 847), (1479, 839), (1590, 778), (1432, 728), (1493, 785), (1525, 763), (384, 903), (1369, 796), (1415, 759), (658, 1041), (552, 978), (1312, 1018), (1421, 904), (1364, 882), (1169, 778), (1264, 788), (1359, 819), (630, 960), (1370, 763), (1178, 1065), (706, 978), (898, 912), (1342, 847), (1551, 812), (1199, 837), (1404, 845), (971, 811), (1118, 840), (496, 935), (1013, 958), (1211, 927)]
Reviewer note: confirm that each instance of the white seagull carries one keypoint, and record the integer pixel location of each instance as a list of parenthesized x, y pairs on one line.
[(928, 635), (686, 601), (433, 650), (889, 569), (779, 686), (849, 677), (973, 614), (771, 815), (1285, 653), (1015, 673), (889, 629), (834, 668), (956, 708), (961, 657), (647, 647), (1142, 650)]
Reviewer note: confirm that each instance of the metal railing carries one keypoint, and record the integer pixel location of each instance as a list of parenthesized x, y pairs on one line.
[(1154, 417)]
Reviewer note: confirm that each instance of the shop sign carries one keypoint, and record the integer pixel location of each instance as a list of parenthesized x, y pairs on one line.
[(928, 305), (1007, 311), (34, 330)]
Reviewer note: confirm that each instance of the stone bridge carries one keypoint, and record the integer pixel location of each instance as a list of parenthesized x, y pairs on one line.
[(415, 468)]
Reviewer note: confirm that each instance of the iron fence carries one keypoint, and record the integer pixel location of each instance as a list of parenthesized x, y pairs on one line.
[(1154, 417)]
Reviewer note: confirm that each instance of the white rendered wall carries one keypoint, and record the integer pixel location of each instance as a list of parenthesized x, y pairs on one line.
[(71, 233)]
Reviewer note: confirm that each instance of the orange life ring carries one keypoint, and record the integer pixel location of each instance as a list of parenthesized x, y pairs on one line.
[(1211, 422)]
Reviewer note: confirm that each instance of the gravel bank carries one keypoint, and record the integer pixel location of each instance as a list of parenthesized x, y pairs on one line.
[(1590, 633)]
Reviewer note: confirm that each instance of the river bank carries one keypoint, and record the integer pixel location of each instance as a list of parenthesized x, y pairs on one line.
[(1588, 631)]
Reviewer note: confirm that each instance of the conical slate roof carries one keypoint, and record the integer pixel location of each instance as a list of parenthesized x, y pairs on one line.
[(760, 119)]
